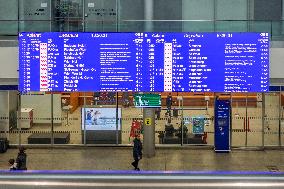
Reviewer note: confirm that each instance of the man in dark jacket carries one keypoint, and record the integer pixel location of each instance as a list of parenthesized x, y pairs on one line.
[(137, 152), (21, 159), (169, 101)]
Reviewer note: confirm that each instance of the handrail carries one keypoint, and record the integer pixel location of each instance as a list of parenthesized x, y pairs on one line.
[(142, 179), (143, 20)]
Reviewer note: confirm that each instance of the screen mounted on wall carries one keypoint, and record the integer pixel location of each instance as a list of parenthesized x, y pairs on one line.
[(145, 62)]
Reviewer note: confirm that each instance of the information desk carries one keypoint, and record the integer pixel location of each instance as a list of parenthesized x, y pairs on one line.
[(27, 118)]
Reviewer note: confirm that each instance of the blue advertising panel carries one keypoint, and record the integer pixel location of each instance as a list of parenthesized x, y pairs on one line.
[(222, 125), (146, 62)]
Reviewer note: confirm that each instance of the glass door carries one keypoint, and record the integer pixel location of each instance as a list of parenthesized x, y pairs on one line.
[(272, 124), (238, 129), (254, 120), (246, 120)]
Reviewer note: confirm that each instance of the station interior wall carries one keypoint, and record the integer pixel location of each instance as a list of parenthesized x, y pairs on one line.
[(257, 119)]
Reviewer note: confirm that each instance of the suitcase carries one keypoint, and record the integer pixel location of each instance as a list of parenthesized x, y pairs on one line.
[(4, 144)]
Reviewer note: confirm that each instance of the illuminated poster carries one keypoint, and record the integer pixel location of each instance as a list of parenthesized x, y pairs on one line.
[(198, 125), (100, 118)]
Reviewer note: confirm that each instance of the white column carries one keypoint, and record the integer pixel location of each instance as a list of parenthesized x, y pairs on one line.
[(148, 15), (282, 22)]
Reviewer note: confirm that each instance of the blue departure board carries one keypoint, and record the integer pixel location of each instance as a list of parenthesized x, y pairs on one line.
[(145, 62)]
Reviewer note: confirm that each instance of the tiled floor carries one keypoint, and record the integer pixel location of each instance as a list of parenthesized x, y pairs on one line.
[(119, 158)]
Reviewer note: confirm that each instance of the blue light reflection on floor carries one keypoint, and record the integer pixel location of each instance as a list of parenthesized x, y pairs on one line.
[(129, 172)]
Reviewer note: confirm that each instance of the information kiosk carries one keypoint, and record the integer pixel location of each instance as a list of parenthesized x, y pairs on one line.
[(222, 125)]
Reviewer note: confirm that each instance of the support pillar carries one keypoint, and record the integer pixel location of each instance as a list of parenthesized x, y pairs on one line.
[(149, 132), (282, 22), (148, 15)]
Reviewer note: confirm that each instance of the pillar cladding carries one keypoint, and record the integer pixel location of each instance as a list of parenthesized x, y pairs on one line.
[(149, 15), (149, 132)]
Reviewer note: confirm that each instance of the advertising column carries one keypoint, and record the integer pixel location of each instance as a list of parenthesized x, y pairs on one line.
[(149, 132)]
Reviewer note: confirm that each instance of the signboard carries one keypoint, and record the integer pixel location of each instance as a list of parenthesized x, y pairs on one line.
[(148, 121), (145, 62), (147, 100)]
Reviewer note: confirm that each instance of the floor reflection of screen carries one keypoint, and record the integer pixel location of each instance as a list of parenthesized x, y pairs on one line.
[(100, 118)]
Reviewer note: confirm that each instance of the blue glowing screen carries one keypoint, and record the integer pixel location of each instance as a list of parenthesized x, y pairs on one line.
[(150, 61)]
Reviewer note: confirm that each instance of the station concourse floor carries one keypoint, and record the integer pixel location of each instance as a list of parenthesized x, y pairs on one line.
[(166, 159)]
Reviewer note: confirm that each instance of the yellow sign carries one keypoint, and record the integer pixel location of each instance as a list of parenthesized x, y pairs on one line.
[(148, 121)]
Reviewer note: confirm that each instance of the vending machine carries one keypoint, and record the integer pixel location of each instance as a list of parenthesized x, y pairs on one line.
[(222, 125)]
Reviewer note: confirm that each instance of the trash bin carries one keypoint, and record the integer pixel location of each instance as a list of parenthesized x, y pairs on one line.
[(4, 143)]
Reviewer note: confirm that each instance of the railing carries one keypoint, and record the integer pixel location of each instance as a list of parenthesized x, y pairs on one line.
[(144, 179), (80, 24)]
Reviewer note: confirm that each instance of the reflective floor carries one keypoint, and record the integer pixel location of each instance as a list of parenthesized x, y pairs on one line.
[(166, 159)]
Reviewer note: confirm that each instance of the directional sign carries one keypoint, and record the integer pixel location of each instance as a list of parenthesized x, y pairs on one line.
[(147, 100), (148, 121)]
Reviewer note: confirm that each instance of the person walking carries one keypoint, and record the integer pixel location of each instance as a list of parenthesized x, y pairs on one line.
[(21, 159), (137, 152), (169, 102)]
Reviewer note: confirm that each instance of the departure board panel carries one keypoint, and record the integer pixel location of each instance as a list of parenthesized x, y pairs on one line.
[(144, 62)]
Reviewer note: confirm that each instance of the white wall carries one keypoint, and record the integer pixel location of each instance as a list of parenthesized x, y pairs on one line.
[(9, 62), (13, 107), (277, 63), (4, 113), (8, 103), (42, 107)]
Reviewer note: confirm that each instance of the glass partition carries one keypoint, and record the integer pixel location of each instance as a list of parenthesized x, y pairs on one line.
[(8, 27), (4, 114), (69, 128), (239, 114), (90, 118), (271, 119), (130, 16), (35, 119), (282, 117), (253, 121)]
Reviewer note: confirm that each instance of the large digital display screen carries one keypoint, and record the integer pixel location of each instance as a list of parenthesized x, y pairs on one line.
[(145, 62), (100, 119)]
